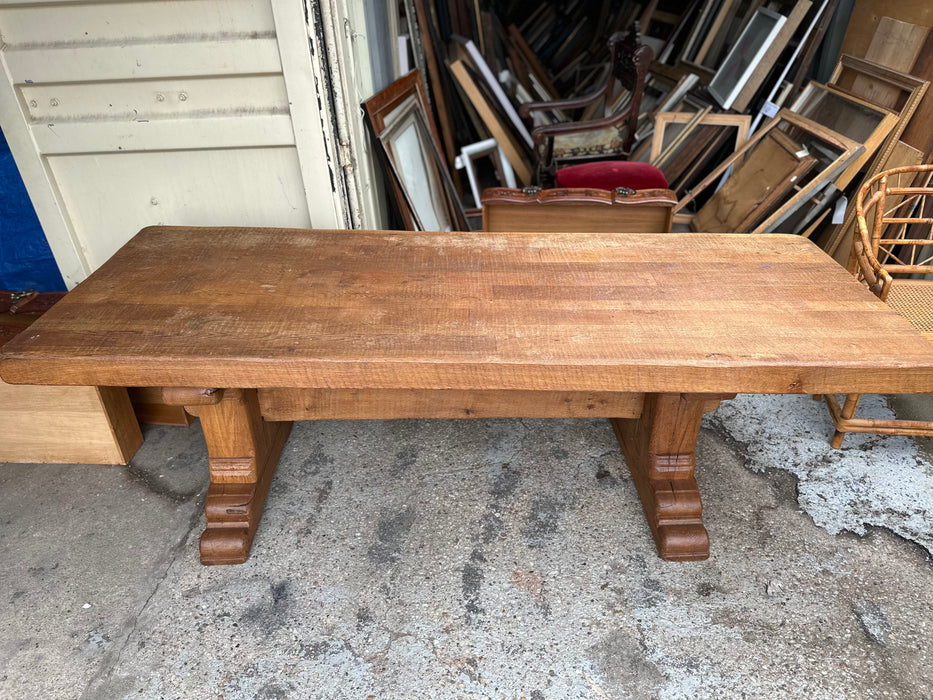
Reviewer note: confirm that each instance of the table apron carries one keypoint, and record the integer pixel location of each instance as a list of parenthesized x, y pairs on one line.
[(355, 404)]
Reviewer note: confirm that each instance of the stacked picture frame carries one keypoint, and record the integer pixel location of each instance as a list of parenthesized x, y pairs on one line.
[(424, 194)]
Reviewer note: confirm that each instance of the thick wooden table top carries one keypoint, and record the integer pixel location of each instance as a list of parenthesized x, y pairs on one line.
[(239, 307)]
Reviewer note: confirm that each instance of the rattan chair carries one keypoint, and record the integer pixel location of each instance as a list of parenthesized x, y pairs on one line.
[(893, 254)]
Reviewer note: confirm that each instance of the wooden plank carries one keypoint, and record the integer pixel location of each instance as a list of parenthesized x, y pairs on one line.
[(149, 408), (244, 131), (775, 49), (34, 25), (503, 103), (99, 63), (532, 62), (500, 131), (896, 44), (867, 14), (72, 425), (438, 89), (357, 404), (289, 308), (812, 43), (165, 98)]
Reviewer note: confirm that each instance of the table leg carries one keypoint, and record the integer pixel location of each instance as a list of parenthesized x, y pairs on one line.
[(243, 451), (660, 449)]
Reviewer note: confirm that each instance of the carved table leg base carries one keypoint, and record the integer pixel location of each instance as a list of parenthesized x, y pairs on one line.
[(659, 449), (243, 452), (233, 510), (677, 516)]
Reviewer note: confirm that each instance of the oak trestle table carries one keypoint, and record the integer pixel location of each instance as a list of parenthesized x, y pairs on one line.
[(251, 328)]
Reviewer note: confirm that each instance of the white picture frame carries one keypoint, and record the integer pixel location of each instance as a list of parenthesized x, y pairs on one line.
[(745, 56)]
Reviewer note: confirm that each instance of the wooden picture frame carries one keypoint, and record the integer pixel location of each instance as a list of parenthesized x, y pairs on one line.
[(769, 58), (504, 103), (711, 49), (711, 134), (500, 131), (707, 15), (760, 180), (663, 120), (683, 138), (399, 101), (851, 116), (670, 100), (418, 167), (885, 87), (846, 148), (741, 61)]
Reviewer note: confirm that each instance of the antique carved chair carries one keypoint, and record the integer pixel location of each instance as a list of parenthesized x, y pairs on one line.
[(578, 210), (893, 254), (597, 150)]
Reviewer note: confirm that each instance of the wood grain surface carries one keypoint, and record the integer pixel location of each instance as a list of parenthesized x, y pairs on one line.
[(250, 307)]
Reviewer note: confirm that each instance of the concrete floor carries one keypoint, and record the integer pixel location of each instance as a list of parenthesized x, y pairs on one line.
[(473, 559)]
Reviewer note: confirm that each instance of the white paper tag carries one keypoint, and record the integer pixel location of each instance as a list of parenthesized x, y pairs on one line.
[(839, 213), (769, 109)]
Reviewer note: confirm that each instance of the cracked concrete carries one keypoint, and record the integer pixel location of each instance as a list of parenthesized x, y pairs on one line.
[(872, 480), (474, 559)]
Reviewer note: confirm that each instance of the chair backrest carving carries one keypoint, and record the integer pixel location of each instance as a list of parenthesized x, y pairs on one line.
[(573, 210), (629, 59)]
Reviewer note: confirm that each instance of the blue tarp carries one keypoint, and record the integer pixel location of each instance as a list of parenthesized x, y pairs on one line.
[(26, 261)]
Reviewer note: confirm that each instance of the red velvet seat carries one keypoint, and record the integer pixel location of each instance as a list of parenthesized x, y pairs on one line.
[(610, 174)]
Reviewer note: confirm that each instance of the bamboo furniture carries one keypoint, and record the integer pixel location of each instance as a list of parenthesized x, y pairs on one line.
[(251, 328), (893, 255), (577, 209), (884, 87)]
